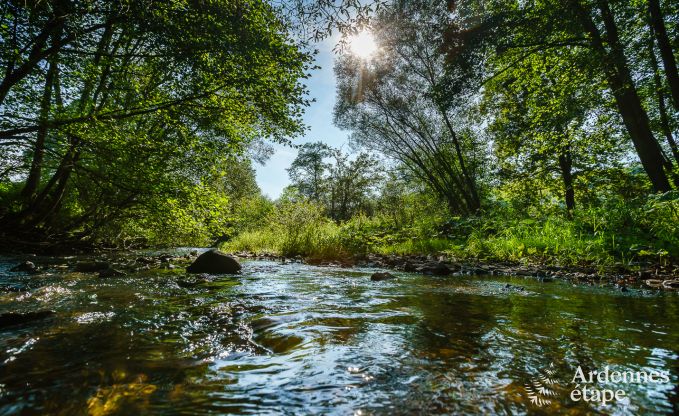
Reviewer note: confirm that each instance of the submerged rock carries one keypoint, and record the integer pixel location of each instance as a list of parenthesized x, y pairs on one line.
[(15, 318), (146, 260), (193, 282), (214, 262), (509, 288), (27, 266), (378, 276)]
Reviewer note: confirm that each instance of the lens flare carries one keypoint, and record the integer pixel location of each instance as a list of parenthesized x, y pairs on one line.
[(363, 44)]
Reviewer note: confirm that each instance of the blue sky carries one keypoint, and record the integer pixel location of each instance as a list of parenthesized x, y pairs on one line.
[(272, 177)]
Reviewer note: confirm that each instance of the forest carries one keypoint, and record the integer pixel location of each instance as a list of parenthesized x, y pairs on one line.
[(540, 132), (478, 210)]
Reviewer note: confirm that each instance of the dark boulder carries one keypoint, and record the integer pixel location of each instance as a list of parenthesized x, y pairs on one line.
[(27, 267), (671, 284), (214, 262), (376, 277), (15, 318), (91, 266)]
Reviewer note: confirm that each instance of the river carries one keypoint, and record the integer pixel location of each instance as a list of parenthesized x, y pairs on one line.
[(299, 339)]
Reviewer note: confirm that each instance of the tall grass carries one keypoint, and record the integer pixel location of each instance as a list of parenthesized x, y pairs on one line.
[(622, 233), (293, 229), (554, 240)]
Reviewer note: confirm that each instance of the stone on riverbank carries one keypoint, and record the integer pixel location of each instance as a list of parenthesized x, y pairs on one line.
[(91, 266), (434, 268), (214, 262), (671, 284), (110, 272)]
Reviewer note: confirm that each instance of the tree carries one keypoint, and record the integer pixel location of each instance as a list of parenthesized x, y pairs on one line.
[(330, 177), (391, 104), (549, 119), (116, 108), (608, 30), (352, 184), (657, 25), (308, 170)]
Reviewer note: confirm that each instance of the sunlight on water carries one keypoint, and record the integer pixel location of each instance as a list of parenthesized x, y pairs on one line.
[(301, 339)]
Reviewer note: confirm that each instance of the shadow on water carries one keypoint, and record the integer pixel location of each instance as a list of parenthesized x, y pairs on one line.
[(291, 338)]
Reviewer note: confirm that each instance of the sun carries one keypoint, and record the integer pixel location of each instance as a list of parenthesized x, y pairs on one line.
[(363, 44)]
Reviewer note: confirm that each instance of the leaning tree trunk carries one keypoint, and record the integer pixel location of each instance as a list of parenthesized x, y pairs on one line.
[(662, 108), (665, 47), (33, 180), (627, 99)]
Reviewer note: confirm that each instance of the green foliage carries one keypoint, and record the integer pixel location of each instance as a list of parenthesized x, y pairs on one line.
[(619, 234), (137, 114), (292, 228), (391, 105)]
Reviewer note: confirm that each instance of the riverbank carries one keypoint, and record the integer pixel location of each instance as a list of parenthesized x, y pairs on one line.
[(649, 276), (119, 263)]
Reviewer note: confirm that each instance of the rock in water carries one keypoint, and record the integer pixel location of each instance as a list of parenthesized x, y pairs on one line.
[(376, 277), (27, 266), (671, 284), (14, 318), (214, 262)]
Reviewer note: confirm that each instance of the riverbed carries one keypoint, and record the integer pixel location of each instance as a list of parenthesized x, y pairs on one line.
[(290, 338)]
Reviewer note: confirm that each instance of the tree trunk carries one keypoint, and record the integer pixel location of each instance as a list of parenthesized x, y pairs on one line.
[(49, 199), (33, 180), (665, 47), (662, 108), (474, 200), (566, 165), (627, 99), (12, 76)]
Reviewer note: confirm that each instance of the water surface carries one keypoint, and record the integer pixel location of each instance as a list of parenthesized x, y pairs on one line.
[(299, 339)]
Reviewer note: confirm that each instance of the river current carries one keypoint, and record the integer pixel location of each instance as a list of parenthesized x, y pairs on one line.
[(299, 339)]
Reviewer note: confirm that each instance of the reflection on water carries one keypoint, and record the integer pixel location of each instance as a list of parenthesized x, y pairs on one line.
[(290, 338)]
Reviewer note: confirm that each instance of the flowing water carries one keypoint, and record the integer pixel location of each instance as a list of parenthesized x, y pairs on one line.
[(298, 339)]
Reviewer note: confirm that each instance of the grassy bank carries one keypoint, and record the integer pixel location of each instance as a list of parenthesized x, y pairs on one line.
[(621, 235)]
